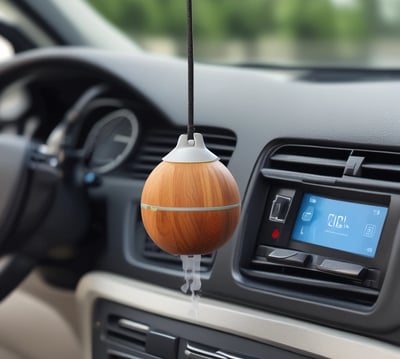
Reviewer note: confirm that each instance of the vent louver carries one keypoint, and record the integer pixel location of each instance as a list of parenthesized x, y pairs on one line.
[(127, 332), (156, 144), (310, 282), (342, 166), (381, 166), (309, 160), (154, 253), (142, 340)]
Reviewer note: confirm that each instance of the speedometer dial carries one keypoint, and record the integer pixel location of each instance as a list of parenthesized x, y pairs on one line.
[(111, 140)]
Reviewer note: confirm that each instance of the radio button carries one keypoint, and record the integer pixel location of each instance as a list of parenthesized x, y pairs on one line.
[(289, 257), (345, 269)]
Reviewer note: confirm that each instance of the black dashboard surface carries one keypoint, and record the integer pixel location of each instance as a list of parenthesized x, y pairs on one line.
[(253, 107)]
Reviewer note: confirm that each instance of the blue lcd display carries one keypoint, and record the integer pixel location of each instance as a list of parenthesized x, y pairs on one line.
[(345, 226)]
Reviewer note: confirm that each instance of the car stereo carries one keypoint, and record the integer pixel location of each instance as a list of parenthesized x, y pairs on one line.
[(346, 226), (329, 233)]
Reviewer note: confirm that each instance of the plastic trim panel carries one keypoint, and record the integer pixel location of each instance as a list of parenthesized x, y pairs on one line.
[(261, 326)]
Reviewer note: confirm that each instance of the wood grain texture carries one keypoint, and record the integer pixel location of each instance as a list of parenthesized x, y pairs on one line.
[(203, 186)]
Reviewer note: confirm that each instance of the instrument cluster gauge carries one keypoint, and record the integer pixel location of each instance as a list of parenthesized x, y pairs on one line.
[(111, 140)]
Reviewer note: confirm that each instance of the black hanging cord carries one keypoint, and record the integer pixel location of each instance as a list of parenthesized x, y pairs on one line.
[(190, 127)]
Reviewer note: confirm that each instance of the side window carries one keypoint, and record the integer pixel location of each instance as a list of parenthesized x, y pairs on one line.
[(13, 40), (18, 31), (285, 32)]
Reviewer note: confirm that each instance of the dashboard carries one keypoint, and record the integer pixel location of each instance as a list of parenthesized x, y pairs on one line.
[(311, 270)]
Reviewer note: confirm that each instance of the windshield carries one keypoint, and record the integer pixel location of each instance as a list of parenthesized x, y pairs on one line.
[(334, 33)]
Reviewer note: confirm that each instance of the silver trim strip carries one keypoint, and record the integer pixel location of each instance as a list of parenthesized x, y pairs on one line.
[(193, 352), (135, 326), (188, 209), (228, 356), (280, 331)]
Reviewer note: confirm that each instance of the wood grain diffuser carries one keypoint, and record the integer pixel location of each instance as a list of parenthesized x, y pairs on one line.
[(190, 203)]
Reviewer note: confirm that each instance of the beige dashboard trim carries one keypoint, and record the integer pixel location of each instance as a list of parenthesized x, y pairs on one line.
[(262, 326)]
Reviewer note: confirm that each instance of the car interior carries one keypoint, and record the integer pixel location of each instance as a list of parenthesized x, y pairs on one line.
[(311, 270)]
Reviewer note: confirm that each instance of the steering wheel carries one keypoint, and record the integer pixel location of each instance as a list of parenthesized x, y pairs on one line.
[(43, 199)]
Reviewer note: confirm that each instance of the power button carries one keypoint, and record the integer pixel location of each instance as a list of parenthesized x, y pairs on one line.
[(280, 208)]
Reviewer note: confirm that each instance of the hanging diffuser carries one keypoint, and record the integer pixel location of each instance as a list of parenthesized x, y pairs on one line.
[(190, 203)]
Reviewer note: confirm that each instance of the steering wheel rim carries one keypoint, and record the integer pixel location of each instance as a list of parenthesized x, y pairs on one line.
[(43, 205)]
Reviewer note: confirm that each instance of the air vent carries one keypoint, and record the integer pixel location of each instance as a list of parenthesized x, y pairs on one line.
[(141, 340), (381, 166), (156, 144), (313, 282), (334, 165), (153, 253), (313, 160), (127, 332)]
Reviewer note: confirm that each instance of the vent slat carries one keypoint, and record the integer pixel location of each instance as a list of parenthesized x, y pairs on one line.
[(155, 145), (381, 167), (158, 147), (297, 176), (153, 252), (126, 331), (147, 159), (316, 161), (328, 164), (162, 138), (310, 160)]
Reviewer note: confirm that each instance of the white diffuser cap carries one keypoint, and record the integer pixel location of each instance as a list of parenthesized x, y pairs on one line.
[(190, 151)]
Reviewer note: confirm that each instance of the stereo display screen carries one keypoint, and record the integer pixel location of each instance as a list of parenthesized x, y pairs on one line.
[(345, 226)]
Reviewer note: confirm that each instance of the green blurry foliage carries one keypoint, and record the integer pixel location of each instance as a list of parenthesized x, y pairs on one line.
[(134, 16), (244, 19), (311, 19), (248, 19)]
